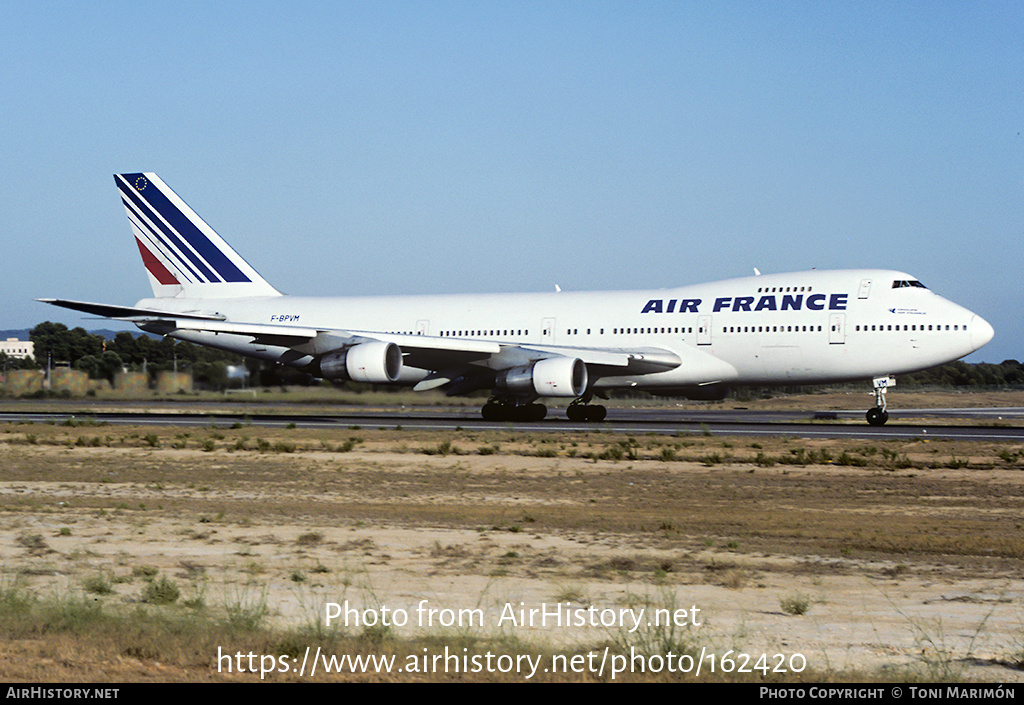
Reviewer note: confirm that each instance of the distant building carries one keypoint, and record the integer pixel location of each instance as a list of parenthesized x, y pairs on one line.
[(18, 348)]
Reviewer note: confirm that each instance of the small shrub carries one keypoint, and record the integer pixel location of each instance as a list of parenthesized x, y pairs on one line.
[(98, 584), (348, 445), (310, 538), (849, 460), (144, 571), (247, 613), (795, 604), (735, 578), (161, 592), (34, 544)]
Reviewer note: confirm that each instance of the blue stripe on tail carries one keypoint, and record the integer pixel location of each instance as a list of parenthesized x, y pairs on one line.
[(138, 189)]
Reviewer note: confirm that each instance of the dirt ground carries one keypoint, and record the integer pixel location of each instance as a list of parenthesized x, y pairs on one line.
[(901, 559)]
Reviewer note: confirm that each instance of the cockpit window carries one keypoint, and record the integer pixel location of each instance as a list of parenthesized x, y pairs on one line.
[(899, 284)]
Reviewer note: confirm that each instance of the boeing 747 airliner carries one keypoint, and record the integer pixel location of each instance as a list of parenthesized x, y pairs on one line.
[(694, 341)]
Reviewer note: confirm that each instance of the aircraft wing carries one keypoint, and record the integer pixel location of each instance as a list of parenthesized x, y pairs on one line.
[(447, 358), (426, 352), (620, 361), (457, 355)]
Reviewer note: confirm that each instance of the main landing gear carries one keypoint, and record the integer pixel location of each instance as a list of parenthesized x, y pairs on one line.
[(878, 415), (500, 408), (582, 410), (506, 409)]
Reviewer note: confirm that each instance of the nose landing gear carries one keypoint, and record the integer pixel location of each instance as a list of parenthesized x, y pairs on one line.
[(878, 415)]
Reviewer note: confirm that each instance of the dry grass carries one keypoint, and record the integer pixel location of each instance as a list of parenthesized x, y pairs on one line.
[(218, 511)]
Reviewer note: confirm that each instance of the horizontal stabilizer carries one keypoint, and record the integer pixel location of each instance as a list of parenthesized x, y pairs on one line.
[(126, 313)]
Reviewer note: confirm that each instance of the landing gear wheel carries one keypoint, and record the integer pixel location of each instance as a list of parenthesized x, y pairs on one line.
[(585, 412), (531, 412), (576, 412), (507, 411), (877, 417)]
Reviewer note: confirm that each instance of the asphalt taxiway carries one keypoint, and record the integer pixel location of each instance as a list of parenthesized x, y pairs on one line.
[(1005, 424)]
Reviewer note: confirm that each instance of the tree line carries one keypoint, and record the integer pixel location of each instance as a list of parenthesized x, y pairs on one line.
[(102, 358), (1008, 373)]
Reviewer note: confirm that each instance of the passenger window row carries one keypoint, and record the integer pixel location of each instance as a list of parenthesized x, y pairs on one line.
[(910, 327), (642, 331), (770, 329), (782, 289), (483, 333), (689, 331)]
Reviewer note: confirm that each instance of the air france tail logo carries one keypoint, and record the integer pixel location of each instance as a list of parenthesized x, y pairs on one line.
[(178, 235), (788, 302)]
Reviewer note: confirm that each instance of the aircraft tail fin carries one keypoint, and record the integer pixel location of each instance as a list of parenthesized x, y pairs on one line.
[(183, 255)]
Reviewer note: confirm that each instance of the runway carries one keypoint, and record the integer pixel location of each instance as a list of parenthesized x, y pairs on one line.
[(987, 424)]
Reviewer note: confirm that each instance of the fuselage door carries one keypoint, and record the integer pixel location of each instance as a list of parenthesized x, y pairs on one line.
[(837, 328), (865, 289), (422, 327), (547, 329), (704, 330)]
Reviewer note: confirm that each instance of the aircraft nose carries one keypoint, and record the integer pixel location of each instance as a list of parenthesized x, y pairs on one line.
[(981, 332)]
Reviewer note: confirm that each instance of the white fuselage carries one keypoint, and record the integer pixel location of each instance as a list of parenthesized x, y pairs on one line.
[(779, 329)]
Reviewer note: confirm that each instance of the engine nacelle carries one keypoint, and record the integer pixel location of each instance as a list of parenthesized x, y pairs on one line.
[(376, 362), (551, 377)]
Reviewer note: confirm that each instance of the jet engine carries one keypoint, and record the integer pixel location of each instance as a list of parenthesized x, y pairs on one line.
[(376, 362), (550, 377)]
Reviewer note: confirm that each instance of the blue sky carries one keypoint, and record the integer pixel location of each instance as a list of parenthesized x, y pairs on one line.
[(435, 147)]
